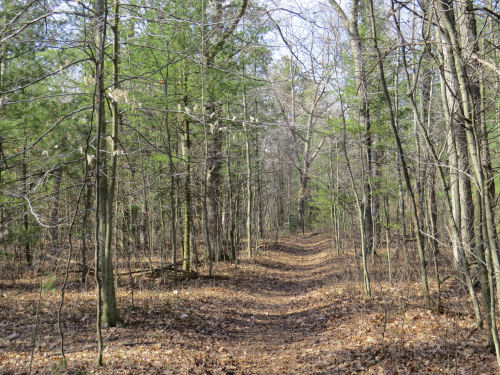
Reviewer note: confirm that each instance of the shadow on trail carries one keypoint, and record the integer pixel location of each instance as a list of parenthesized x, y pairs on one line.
[(268, 286), (288, 270), (295, 309), (270, 303), (285, 267)]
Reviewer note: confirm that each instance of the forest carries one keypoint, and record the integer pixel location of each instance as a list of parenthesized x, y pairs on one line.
[(249, 187)]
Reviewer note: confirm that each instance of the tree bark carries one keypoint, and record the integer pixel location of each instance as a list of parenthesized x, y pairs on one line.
[(105, 189), (249, 175), (54, 230)]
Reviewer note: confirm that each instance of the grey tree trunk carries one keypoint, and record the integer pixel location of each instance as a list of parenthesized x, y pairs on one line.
[(105, 188), (54, 230), (232, 224), (99, 24), (186, 154), (249, 177), (27, 242), (186, 258), (85, 226)]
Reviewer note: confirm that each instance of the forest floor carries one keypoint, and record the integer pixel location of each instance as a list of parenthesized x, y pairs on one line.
[(297, 308)]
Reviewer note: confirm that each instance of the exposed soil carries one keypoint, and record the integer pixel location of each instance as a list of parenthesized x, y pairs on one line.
[(296, 309)]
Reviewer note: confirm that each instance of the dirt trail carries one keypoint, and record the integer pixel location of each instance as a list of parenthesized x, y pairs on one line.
[(278, 318), (297, 308)]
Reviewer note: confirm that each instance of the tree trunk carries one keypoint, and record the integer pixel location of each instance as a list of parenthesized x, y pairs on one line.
[(232, 224), (104, 189), (55, 207), (27, 241), (85, 227), (187, 197), (249, 175)]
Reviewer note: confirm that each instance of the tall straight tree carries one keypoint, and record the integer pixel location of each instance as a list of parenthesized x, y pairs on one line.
[(105, 180), (213, 48)]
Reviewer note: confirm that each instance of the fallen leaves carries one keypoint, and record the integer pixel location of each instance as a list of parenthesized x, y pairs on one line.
[(296, 309)]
